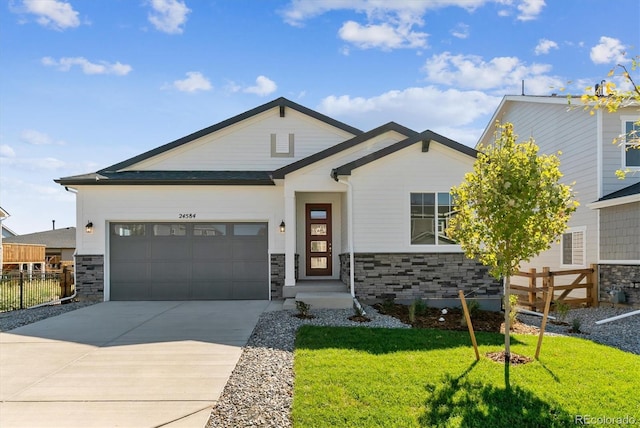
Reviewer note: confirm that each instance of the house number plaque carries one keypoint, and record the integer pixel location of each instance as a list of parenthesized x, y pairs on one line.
[(186, 216)]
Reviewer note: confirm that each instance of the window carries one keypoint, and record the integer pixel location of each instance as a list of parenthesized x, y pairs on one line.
[(131, 229), (631, 157), (282, 146), (167, 229), (430, 214), (573, 247)]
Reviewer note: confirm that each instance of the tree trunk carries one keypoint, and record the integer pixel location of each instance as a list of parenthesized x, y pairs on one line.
[(507, 329)]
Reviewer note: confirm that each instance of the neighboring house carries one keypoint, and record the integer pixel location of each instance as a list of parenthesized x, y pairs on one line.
[(250, 207), (60, 244), (3, 216), (6, 232), (605, 230)]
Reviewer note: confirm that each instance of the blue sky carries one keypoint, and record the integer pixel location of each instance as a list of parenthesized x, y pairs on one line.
[(85, 84)]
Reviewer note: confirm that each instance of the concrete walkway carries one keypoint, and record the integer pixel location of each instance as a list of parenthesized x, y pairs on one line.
[(123, 364)]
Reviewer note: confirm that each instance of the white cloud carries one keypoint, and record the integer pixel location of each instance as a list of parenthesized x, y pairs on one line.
[(419, 108), (500, 74), (194, 82), (383, 36), (6, 151), (169, 16), (58, 15), (608, 51), (88, 67), (264, 86), (544, 46), (530, 9), (299, 11), (461, 31), (37, 138)]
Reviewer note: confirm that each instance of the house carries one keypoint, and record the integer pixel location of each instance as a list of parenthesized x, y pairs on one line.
[(3, 216), (60, 244), (605, 229), (278, 196)]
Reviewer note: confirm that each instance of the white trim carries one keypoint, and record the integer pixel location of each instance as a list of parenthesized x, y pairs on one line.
[(614, 202), (573, 230), (619, 262), (599, 153), (623, 123)]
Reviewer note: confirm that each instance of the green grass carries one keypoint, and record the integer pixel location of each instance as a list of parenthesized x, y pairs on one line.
[(361, 377)]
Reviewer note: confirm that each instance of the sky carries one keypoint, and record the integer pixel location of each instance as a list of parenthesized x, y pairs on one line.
[(85, 84)]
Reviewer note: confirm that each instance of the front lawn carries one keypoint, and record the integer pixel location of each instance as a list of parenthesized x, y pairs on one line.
[(362, 377)]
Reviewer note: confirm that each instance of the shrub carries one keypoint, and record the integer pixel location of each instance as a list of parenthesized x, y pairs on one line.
[(303, 308)]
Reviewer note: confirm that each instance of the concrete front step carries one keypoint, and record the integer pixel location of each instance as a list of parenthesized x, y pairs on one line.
[(321, 300)]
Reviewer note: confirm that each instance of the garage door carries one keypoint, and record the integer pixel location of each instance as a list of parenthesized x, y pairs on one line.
[(188, 261)]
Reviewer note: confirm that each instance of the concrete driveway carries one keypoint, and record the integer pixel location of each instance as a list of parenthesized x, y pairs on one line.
[(123, 364)]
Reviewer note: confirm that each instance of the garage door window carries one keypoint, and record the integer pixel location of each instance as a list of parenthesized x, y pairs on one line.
[(209, 230), (249, 229), (131, 229), (168, 229)]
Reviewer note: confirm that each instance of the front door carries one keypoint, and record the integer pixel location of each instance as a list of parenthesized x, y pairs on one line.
[(318, 239)]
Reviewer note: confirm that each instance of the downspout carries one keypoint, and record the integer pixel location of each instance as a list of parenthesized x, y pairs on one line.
[(350, 234)]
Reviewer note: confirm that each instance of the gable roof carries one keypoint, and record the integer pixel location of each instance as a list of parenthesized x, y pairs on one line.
[(279, 102), (391, 126), (425, 137), (57, 238)]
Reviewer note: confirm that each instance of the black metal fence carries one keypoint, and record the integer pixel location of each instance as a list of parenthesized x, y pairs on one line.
[(20, 290)]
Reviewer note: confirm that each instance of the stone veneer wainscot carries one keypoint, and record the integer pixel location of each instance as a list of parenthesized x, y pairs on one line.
[(410, 276), (90, 277)]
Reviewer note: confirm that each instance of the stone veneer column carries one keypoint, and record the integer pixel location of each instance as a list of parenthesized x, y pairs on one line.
[(90, 277)]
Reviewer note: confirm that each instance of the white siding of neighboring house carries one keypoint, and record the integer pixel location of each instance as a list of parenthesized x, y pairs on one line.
[(573, 132), (382, 195), (247, 145), (613, 153), (103, 204)]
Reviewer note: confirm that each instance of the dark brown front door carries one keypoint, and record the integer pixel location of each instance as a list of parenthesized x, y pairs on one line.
[(318, 238)]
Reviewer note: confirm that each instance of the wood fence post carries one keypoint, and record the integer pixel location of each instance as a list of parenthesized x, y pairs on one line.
[(532, 289), (593, 295), (547, 280)]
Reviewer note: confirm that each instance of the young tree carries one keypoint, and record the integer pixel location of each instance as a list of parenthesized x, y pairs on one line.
[(607, 96), (509, 209)]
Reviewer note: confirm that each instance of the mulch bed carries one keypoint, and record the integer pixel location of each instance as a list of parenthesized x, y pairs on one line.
[(431, 318), (453, 320)]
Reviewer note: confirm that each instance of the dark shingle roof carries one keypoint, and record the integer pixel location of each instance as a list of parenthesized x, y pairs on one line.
[(391, 126), (634, 189), (170, 178), (57, 238), (424, 137)]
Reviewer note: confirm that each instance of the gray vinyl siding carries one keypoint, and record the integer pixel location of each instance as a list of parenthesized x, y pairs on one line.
[(612, 153)]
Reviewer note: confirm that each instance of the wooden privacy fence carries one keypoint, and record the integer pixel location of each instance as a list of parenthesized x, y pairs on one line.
[(575, 287)]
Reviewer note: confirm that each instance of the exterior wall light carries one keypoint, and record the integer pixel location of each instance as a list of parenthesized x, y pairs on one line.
[(282, 226), (89, 227)]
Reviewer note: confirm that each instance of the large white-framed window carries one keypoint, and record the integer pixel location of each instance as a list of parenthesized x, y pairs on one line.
[(573, 250), (430, 215), (630, 148)]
